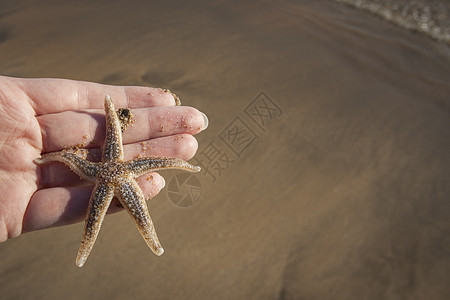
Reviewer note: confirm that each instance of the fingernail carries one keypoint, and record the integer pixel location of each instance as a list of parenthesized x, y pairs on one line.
[(163, 182), (205, 121)]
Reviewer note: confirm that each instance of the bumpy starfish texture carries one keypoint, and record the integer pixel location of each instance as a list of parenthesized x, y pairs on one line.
[(115, 177)]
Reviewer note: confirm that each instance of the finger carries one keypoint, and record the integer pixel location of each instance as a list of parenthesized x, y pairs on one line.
[(67, 205), (182, 146), (67, 129), (58, 95)]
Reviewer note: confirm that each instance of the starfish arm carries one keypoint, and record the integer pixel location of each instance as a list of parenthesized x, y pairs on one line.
[(113, 149), (83, 168), (177, 99), (125, 116), (98, 205), (131, 197), (140, 166)]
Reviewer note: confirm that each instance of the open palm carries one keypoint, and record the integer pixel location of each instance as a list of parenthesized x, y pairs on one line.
[(46, 115)]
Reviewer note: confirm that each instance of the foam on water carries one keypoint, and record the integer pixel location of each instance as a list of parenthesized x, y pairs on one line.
[(431, 17)]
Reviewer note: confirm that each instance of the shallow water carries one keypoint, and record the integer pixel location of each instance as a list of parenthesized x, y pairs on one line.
[(342, 195), (431, 17)]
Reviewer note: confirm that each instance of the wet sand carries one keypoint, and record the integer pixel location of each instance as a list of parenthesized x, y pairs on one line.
[(342, 194)]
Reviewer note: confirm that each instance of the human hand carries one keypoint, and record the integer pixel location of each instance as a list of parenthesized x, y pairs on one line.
[(46, 115)]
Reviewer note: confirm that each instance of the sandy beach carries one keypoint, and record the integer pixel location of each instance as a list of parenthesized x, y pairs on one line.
[(339, 189)]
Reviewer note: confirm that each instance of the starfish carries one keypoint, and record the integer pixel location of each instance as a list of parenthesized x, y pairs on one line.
[(115, 177)]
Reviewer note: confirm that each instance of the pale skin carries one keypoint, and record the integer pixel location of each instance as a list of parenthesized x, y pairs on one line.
[(46, 115)]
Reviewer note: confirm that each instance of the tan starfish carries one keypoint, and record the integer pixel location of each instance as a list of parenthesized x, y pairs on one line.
[(115, 177)]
